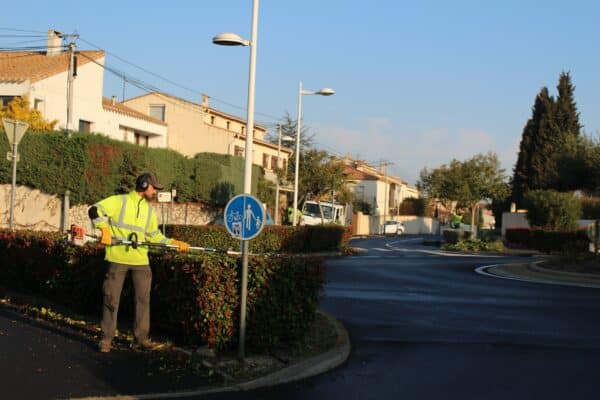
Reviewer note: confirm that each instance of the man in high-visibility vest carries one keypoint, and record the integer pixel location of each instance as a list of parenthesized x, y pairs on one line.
[(124, 217)]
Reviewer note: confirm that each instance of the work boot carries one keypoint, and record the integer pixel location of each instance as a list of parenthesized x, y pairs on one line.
[(148, 344), (104, 346)]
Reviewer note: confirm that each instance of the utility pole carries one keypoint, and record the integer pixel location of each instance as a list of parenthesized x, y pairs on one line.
[(72, 73), (383, 164), (277, 186)]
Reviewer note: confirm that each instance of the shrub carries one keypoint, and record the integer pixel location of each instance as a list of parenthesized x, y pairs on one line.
[(475, 245), (92, 167), (549, 241), (552, 210), (453, 236), (273, 239), (195, 298), (590, 208), (413, 206)]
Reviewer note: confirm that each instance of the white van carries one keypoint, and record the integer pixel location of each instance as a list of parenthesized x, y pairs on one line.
[(332, 213)]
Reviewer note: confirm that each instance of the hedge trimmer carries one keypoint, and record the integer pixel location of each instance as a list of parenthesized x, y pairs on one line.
[(78, 237)]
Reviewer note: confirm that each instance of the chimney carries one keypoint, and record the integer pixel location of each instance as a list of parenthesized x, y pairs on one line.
[(205, 100), (54, 43), (114, 100)]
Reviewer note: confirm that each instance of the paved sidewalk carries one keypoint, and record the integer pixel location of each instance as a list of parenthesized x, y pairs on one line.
[(535, 272), (59, 362)]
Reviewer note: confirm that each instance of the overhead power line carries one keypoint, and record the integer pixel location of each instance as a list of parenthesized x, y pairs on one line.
[(176, 84)]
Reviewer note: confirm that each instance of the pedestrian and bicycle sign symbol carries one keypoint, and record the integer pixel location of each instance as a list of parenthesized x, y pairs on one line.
[(244, 217)]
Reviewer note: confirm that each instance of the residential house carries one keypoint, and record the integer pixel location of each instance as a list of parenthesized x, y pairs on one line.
[(374, 186), (199, 128), (42, 76)]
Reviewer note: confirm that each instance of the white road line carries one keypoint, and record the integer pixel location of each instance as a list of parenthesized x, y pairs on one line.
[(482, 271)]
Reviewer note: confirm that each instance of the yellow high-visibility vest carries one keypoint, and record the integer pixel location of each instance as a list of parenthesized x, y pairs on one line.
[(126, 214)]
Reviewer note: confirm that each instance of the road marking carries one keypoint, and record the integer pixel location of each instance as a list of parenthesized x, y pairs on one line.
[(482, 271)]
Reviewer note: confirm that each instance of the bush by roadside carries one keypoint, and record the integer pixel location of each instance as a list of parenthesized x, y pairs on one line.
[(195, 298), (548, 241), (273, 239), (474, 245)]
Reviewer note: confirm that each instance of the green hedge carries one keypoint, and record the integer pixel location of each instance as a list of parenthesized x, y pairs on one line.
[(195, 298), (549, 241), (93, 167), (590, 208), (453, 236), (273, 238), (552, 210)]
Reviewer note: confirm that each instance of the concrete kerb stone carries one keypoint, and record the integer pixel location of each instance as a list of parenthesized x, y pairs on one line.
[(533, 272), (301, 370)]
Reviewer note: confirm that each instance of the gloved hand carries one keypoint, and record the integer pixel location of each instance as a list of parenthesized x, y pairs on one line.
[(106, 238), (183, 246)]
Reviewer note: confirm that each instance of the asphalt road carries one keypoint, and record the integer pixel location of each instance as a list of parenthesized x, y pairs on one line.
[(425, 326)]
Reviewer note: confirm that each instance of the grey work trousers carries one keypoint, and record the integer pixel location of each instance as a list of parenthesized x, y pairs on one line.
[(111, 290)]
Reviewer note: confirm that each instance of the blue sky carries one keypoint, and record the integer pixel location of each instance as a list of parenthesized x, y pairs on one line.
[(416, 84)]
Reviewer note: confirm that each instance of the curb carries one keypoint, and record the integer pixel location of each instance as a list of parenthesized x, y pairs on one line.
[(531, 272), (579, 275), (304, 369)]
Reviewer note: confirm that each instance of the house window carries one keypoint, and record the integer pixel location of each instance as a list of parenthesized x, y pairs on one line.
[(265, 161), (274, 163), (243, 129), (37, 104), (157, 111), (238, 151), (85, 126), (141, 140), (4, 100), (228, 125), (212, 119)]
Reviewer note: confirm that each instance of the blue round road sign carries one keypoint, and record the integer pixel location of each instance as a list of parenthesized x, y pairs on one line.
[(244, 217)]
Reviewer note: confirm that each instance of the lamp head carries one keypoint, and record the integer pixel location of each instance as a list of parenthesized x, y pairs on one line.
[(230, 39), (326, 92)]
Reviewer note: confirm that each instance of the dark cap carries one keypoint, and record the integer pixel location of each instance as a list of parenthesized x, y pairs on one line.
[(145, 179)]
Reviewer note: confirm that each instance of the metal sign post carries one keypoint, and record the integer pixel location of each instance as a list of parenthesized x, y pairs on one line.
[(15, 130), (244, 218)]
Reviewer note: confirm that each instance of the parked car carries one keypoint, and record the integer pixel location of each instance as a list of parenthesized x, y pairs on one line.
[(393, 228)]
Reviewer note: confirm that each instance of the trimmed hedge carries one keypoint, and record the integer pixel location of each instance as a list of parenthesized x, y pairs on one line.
[(195, 298), (590, 208), (273, 239), (453, 236), (93, 167), (549, 241), (552, 210)]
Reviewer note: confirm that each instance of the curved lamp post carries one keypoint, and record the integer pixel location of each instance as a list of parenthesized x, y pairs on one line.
[(323, 92), (232, 39)]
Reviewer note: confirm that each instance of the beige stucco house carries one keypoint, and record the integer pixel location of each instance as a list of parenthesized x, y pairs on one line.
[(384, 192), (198, 128), (42, 76)]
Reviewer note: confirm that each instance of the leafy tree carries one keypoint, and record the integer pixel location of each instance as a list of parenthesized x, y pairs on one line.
[(320, 175), (467, 182), (20, 109)]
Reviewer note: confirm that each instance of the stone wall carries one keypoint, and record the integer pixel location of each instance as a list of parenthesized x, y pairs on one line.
[(38, 211)]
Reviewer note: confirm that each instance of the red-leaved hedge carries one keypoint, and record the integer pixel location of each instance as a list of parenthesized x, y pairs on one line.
[(195, 298)]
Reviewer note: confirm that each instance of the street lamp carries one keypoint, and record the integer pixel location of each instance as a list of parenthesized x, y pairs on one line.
[(232, 39), (323, 92)]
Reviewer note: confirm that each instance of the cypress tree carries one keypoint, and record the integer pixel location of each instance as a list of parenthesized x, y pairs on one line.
[(535, 148), (554, 125)]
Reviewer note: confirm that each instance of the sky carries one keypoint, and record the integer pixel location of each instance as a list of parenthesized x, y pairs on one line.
[(417, 83)]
